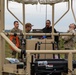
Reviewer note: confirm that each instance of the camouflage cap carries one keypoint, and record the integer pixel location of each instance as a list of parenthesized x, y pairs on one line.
[(28, 25)]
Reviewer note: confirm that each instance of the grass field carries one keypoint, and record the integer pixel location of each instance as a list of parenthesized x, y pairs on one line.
[(7, 50)]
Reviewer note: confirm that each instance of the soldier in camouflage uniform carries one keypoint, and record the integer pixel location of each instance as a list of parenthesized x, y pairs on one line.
[(69, 41), (28, 27), (15, 30)]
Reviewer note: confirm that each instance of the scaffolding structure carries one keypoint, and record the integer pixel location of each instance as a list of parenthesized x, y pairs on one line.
[(11, 68)]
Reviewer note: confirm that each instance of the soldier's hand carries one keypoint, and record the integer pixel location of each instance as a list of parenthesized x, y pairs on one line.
[(21, 34)]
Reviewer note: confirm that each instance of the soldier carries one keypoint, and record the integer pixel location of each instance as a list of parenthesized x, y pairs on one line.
[(48, 29), (69, 41), (14, 38), (28, 27), (16, 28)]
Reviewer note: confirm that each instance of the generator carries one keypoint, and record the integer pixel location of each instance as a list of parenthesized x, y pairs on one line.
[(50, 66)]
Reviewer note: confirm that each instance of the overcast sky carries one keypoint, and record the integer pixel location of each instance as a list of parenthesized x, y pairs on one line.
[(37, 15)]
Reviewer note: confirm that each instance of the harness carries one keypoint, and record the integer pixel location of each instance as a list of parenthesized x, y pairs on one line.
[(15, 40)]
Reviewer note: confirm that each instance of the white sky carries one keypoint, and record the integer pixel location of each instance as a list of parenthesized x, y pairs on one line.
[(37, 15)]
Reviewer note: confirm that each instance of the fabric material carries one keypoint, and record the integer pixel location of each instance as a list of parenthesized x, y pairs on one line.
[(69, 41), (15, 40)]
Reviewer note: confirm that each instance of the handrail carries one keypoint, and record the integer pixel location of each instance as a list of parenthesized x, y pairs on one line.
[(10, 42), (41, 34), (50, 51), (12, 13), (64, 13)]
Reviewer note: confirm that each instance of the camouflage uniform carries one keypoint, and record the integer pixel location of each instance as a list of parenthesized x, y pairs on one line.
[(69, 41), (15, 31)]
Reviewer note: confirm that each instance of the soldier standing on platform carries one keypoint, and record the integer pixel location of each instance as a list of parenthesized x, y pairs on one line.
[(69, 41), (14, 38)]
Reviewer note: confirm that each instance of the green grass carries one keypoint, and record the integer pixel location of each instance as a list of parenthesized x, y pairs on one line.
[(7, 50)]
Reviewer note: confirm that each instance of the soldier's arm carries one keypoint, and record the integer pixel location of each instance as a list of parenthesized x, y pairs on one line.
[(66, 38)]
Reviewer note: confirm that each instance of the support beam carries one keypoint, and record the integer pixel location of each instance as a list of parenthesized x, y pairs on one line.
[(2, 43), (2, 15)]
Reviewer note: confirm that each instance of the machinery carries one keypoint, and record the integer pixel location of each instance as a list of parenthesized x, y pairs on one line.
[(50, 66), (44, 64)]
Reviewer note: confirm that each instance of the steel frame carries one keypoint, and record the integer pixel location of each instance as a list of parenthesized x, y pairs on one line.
[(29, 52)]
